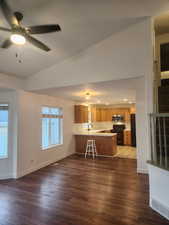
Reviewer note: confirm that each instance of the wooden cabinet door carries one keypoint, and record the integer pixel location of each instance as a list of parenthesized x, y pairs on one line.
[(93, 114), (77, 114), (110, 114), (85, 114), (133, 110), (107, 115), (127, 137), (103, 114), (98, 114), (81, 114), (125, 113)]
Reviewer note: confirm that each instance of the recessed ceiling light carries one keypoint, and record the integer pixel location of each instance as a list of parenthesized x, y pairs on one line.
[(98, 101), (18, 39), (87, 96), (125, 100)]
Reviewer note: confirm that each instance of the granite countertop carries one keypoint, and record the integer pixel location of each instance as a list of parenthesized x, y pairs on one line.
[(95, 133)]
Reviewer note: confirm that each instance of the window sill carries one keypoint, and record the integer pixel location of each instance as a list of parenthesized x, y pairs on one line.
[(51, 146), (3, 157)]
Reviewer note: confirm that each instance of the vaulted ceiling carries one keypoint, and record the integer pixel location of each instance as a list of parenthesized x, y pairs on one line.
[(84, 23)]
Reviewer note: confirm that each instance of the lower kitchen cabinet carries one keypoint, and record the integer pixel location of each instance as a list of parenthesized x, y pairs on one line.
[(106, 144), (127, 137)]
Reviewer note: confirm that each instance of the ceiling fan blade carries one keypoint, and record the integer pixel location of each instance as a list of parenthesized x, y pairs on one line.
[(36, 43), (5, 29), (41, 29), (6, 44), (9, 15)]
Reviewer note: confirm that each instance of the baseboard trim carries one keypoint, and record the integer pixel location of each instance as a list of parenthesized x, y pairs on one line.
[(106, 156), (144, 171), (40, 166), (160, 208), (6, 176)]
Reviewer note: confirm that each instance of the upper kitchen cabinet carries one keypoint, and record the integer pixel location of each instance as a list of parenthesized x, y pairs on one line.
[(133, 110), (98, 114), (127, 115), (105, 114), (93, 114), (81, 114)]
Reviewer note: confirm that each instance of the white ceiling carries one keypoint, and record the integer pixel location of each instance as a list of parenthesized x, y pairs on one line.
[(83, 23), (112, 92)]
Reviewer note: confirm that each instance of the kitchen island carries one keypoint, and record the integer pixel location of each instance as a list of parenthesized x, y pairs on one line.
[(106, 143)]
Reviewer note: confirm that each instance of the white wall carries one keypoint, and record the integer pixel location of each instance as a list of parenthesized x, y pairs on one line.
[(11, 82), (159, 191), (123, 55), (144, 106), (8, 166), (31, 157), (141, 127)]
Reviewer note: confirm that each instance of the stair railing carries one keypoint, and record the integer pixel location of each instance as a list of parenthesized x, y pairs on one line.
[(159, 129)]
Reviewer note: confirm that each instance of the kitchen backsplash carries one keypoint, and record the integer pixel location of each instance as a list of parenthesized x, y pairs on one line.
[(97, 126)]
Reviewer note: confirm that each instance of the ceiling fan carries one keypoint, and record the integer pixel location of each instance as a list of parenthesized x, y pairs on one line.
[(21, 34)]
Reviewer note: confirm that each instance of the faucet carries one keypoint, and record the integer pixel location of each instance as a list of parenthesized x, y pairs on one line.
[(89, 126)]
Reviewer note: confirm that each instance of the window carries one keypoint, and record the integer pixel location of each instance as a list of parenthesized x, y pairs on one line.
[(51, 127), (3, 131), (164, 54)]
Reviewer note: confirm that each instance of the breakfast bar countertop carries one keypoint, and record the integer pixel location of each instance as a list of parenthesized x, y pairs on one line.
[(95, 133)]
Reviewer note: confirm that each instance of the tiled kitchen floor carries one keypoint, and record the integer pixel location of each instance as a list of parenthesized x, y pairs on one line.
[(126, 152)]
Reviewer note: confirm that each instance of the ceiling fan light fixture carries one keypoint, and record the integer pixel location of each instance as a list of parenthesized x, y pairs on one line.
[(18, 39), (88, 95)]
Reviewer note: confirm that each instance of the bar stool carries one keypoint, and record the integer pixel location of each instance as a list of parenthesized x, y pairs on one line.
[(91, 148)]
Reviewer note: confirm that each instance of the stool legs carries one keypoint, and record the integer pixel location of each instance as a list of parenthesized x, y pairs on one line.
[(95, 150), (91, 148)]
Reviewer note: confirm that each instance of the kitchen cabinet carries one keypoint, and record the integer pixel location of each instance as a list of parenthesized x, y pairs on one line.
[(93, 114), (105, 114), (127, 115), (81, 114), (106, 144), (100, 114), (133, 110), (127, 137)]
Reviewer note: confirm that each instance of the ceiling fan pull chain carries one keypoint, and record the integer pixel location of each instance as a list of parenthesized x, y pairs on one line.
[(18, 55)]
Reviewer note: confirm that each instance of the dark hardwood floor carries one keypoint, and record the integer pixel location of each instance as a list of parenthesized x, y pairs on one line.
[(79, 192)]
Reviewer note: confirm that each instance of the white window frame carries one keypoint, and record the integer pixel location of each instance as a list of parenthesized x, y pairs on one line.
[(7, 152), (60, 128)]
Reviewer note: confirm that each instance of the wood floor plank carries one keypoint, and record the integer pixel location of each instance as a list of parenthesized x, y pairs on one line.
[(79, 191)]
